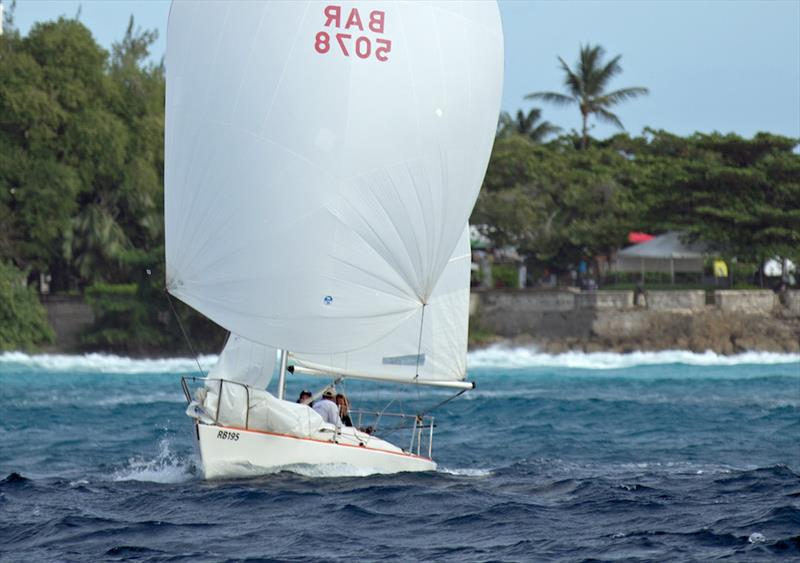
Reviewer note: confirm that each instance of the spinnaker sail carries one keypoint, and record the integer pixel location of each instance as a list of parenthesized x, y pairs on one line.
[(322, 160), (437, 354)]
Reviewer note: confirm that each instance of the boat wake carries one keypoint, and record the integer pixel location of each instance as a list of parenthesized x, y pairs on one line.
[(465, 472), (241, 470)]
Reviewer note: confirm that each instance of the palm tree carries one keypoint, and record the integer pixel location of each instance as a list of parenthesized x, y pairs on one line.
[(586, 88), (528, 125)]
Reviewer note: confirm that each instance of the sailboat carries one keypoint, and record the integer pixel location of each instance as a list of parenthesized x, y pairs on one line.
[(321, 164)]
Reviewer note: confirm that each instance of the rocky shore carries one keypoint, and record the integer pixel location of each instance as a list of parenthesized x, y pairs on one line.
[(630, 331), (558, 321)]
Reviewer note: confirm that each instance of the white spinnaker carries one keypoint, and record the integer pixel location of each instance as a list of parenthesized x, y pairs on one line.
[(245, 362), (312, 200), (443, 345)]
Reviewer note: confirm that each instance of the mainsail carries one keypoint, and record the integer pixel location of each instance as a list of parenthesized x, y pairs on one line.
[(322, 160)]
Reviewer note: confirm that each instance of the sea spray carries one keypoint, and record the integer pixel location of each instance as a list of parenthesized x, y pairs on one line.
[(166, 467)]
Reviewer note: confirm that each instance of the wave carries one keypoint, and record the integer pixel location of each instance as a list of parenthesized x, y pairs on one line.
[(492, 357), (104, 363), (519, 358)]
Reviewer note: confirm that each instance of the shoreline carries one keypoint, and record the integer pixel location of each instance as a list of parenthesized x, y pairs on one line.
[(614, 321), (558, 321)]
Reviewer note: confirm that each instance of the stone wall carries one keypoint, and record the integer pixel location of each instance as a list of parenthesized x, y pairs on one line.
[(527, 301), (791, 301), (751, 301), (69, 316), (676, 300), (609, 321), (604, 300)]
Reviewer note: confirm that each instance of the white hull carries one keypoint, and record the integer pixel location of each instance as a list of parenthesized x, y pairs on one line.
[(233, 452)]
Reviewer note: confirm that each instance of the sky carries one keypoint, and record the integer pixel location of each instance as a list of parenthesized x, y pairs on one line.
[(717, 65)]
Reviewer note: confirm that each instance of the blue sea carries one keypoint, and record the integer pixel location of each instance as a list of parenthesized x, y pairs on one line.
[(667, 456)]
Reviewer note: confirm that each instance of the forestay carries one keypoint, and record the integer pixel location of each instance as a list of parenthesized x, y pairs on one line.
[(439, 356), (322, 160)]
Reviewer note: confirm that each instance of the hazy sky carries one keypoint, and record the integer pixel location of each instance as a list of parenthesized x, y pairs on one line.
[(724, 65)]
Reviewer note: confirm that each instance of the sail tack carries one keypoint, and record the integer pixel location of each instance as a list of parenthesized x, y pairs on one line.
[(322, 160)]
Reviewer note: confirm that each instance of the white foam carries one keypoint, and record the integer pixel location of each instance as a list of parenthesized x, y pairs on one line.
[(236, 470), (518, 358), (104, 363), (466, 472), (493, 357), (166, 467)]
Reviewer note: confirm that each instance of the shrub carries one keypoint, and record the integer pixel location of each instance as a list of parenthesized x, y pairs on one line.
[(23, 321)]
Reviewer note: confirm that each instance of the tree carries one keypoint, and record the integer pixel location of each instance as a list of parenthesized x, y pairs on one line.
[(528, 125), (23, 321), (586, 87), (556, 204), (740, 195)]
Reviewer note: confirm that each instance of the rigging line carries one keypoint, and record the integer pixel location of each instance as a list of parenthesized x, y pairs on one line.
[(423, 413), (380, 413), (419, 342), (185, 336), (419, 347)]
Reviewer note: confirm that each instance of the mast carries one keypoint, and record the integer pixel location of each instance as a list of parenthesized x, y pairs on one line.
[(282, 373)]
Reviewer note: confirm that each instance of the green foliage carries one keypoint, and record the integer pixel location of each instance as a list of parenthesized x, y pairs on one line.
[(556, 203), (505, 275), (81, 145), (122, 319), (526, 124), (136, 317), (23, 322), (742, 196)]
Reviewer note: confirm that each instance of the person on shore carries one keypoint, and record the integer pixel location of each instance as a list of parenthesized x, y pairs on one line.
[(344, 409), (305, 398), (326, 407)]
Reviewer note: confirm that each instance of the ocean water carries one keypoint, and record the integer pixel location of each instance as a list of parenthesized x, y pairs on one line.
[(643, 457)]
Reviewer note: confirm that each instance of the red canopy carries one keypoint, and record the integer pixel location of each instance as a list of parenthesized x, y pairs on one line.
[(636, 238)]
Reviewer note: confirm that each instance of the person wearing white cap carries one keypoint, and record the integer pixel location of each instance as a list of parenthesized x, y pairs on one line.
[(327, 408)]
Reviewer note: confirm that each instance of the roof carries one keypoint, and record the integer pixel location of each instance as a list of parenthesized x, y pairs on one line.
[(668, 245)]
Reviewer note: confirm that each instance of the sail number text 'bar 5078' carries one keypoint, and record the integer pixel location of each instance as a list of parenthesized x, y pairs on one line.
[(347, 41)]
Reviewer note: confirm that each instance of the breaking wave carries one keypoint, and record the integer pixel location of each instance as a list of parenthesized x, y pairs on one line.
[(103, 363), (493, 357), (518, 358)]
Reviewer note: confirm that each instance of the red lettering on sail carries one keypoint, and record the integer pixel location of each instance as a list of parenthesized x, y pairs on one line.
[(376, 21), (332, 13), (354, 20), (365, 46)]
